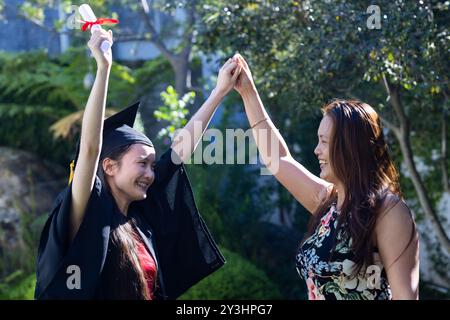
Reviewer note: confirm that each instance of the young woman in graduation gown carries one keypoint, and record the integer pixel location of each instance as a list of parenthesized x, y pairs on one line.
[(127, 226)]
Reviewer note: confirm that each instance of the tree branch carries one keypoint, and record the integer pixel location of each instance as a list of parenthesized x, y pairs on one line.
[(188, 35), (53, 31), (445, 179), (34, 22), (390, 125), (130, 37), (155, 37), (394, 99)]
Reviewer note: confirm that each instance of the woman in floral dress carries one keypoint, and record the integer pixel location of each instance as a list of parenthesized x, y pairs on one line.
[(362, 241)]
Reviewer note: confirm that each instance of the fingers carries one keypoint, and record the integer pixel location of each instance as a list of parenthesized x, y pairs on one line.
[(229, 66), (225, 64), (237, 72), (241, 59), (101, 34), (95, 44)]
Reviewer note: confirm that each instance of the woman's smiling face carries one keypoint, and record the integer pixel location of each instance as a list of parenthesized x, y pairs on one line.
[(134, 173), (322, 150)]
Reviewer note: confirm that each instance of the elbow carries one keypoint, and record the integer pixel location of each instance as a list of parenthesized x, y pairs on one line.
[(275, 156), (273, 163), (408, 292)]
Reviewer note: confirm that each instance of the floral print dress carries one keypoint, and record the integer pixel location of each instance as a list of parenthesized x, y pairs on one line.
[(327, 271)]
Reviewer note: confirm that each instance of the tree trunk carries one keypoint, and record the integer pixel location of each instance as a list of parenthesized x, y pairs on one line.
[(179, 62), (403, 136), (180, 66), (445, 181)]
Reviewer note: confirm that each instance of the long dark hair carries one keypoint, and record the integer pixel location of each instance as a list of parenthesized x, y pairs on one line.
[(125, 270), (359, 159)]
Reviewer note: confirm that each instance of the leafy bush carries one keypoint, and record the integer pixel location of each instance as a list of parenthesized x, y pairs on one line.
[(237, 279), (26, 127), (18, 286)]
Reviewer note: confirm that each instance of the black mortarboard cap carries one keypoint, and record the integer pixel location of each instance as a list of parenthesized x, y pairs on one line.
[(117, 132)]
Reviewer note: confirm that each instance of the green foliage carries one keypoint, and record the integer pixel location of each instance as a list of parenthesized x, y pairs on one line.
[(37, 90), (33, 78), (18, 286), (153, 73), (36, 78), (315, 49), (35, 10), (26, 127), (237, 279), (303, 53), (234, 201), (173, 111)]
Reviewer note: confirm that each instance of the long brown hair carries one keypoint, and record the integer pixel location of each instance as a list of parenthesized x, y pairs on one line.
[(126, 272), (359, 159)]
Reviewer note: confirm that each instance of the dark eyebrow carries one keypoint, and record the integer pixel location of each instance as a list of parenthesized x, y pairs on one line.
[(146, 158)]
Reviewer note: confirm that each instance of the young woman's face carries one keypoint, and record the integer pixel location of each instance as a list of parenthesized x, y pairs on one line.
[(135, 174), (322, 149)]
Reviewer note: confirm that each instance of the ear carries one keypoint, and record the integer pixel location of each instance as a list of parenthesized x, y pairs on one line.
[(109, 166)]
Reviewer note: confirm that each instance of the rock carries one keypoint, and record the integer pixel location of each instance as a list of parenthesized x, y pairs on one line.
[(28, 187)]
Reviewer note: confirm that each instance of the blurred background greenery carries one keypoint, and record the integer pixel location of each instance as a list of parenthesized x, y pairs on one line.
[(166, 54)]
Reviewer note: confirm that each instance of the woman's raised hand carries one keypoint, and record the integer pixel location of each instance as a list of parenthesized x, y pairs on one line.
[(227, 77), (244, 84), (104, 59)]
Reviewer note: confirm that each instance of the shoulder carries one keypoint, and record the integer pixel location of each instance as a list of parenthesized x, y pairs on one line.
[(395, 223), (392, 206)]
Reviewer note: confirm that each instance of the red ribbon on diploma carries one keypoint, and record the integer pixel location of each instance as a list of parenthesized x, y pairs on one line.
[(100, 21)]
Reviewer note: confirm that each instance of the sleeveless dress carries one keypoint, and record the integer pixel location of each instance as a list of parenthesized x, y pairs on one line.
[(327, 272)]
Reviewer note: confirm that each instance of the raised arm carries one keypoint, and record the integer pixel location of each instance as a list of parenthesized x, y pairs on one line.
[(91, 133), (307, 188), (188, 138)]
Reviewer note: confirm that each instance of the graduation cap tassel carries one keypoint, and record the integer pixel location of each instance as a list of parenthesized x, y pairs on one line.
[(72, 165)]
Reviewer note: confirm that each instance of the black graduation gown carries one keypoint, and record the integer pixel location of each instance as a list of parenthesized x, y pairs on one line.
[(168, 222)]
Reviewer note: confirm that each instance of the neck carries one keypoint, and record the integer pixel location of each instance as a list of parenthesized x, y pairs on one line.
[(122, 205), (121, 201)]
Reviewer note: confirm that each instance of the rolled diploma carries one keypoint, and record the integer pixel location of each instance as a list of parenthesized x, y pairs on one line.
[(88, 15)]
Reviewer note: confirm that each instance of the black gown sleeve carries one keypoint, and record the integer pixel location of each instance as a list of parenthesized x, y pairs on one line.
[(185, 248), (58, 259)]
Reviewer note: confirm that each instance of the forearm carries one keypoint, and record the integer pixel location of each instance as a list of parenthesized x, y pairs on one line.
[(92, 126), (188, 138), (270, 143)]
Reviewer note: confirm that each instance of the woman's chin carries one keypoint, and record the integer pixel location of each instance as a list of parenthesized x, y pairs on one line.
[(140, 195), (323, 175)]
